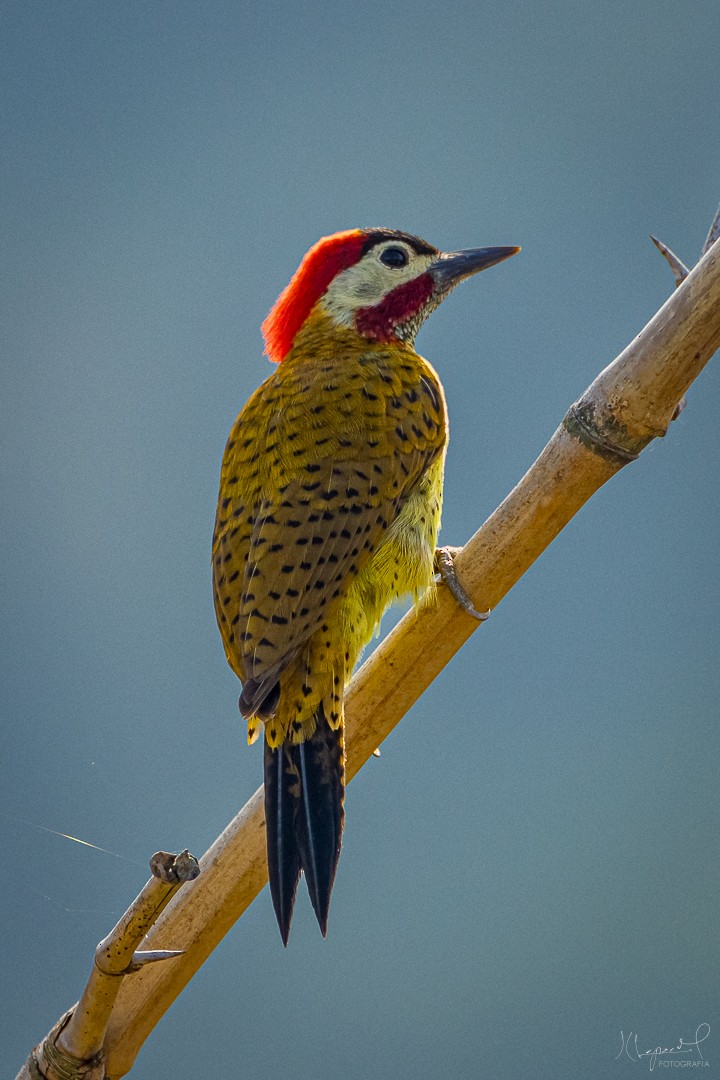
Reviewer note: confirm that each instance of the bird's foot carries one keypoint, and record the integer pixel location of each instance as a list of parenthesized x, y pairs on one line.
[(445, 567)]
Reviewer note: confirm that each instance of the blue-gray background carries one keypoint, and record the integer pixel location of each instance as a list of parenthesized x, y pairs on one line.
[(543, 873)]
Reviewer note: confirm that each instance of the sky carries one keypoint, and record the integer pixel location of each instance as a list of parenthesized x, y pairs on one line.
[(542, 875)]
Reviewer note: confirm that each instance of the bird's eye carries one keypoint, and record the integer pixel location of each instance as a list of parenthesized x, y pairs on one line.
[(395, 257)]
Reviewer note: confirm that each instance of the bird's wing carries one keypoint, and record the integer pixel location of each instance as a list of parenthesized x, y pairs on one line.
[(305, 550), (305, 541)]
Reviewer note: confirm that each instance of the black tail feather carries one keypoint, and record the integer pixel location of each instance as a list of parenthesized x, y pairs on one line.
[(320, 822), (282, 787), (304, 790)]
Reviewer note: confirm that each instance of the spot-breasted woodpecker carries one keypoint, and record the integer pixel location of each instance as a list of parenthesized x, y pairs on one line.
[(329, 509)]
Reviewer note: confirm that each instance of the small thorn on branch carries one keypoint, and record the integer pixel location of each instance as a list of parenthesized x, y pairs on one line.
[(151, 956), (713, 233), (680, 272), (174, 869), (678, 267)]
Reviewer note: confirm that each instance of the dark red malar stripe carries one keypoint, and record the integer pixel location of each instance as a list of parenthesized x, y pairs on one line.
[(397, 307)]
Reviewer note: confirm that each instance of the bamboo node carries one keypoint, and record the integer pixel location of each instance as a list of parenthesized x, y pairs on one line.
[(583, 424), (59, 1064)]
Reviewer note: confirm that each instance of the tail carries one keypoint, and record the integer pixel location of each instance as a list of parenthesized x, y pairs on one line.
[(304, 814)]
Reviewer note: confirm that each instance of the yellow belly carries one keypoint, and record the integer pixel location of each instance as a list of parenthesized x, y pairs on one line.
[(403, 563)]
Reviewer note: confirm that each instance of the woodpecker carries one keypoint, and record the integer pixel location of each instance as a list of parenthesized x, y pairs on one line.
[(329, 509)]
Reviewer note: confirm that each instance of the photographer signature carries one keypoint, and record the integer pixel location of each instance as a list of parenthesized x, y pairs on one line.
[(629, 1047)]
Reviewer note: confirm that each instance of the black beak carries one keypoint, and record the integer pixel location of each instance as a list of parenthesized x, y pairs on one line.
[(457, 265)]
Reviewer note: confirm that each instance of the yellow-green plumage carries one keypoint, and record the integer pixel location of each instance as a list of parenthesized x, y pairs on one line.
[(330, 500)]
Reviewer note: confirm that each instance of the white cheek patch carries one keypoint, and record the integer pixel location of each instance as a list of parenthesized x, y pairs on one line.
[(367, 283)]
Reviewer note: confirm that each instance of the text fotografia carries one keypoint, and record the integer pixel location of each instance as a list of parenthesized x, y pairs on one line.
[(686, 1054)]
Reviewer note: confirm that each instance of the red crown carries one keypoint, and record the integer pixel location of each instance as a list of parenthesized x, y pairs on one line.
[(325, 259)]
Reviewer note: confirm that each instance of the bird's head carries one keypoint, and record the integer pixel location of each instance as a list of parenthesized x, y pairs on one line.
[(379, 282)]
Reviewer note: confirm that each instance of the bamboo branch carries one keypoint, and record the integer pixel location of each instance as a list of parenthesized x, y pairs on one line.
[(73, 1050), (630, 403)]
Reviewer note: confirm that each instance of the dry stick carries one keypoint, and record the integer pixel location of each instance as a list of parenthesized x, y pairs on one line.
[(73, 1049), (629, 404)]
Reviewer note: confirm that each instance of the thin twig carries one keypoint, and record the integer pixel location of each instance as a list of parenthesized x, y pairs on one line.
[(73, 1050)]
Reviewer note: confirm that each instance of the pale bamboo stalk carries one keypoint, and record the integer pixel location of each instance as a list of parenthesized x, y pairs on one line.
[(630, 403)]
